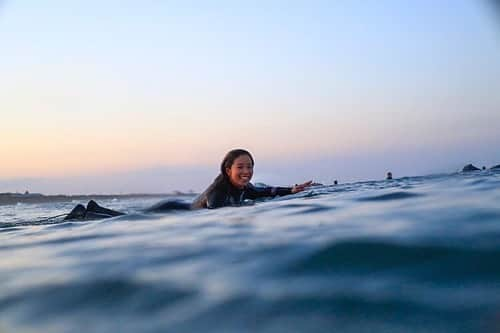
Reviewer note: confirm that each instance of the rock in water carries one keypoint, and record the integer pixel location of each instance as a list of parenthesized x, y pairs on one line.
[(470, 167)]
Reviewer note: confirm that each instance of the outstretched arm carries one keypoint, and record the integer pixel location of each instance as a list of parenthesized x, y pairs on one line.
[(301, 187), (259, 192)]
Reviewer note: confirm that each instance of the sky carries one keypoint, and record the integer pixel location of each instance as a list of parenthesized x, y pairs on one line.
[(128, 96)]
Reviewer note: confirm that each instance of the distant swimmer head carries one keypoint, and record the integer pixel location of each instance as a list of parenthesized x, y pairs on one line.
[(335, 182), (484, 168), (237, 167), (389, 175)]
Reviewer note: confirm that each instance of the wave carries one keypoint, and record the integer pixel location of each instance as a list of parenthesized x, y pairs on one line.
[(95, 295), (437, 263), (398, 195)]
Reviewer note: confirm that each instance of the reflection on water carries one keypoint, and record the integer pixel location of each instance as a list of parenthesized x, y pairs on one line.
[(408, 255)]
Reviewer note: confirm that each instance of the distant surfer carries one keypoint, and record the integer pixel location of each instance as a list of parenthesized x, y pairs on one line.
[(230, 188), (389, 176)]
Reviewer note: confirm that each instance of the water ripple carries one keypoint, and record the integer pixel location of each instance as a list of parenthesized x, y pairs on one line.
[(96, 295), (390, 196)]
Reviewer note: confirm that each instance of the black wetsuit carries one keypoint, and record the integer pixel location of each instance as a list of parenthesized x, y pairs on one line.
[(92, 212), (222, 193)]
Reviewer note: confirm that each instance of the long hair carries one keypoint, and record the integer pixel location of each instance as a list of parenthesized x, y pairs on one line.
[(228, 161)]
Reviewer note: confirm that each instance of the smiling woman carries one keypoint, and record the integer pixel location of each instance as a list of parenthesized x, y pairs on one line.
[(232, 186)]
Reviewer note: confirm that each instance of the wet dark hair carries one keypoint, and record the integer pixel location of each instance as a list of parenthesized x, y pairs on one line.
[(228, 161)]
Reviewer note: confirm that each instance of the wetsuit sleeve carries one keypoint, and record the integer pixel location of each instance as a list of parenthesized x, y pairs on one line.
[(253, 192)]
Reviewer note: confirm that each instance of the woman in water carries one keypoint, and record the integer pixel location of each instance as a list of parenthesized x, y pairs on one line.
[(231, 188)]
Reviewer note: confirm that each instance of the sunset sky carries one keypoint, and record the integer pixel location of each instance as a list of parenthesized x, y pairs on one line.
[(147, 96)]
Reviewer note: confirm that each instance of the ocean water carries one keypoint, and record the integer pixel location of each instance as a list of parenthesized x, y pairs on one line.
[(418, 254)]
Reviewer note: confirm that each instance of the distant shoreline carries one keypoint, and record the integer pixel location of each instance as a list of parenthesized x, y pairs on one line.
[(15, 198)]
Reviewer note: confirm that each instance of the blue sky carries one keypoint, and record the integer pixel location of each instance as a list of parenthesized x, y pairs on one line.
[(122, 90)]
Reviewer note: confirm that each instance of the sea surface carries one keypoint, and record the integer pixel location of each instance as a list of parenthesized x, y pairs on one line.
[(419, 254)]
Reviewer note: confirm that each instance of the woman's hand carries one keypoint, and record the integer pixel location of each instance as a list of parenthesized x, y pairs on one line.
[(301, 187)]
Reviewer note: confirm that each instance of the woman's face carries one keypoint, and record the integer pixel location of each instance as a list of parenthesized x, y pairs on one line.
[(241, 171)]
